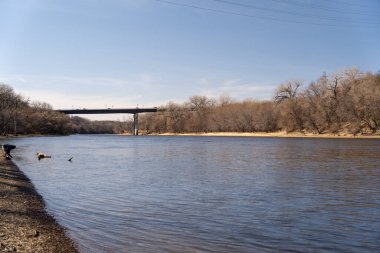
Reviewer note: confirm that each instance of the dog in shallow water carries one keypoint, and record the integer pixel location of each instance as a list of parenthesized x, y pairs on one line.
[(42, 155)]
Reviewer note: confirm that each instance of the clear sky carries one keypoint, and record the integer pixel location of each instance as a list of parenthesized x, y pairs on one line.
[(124, 53)]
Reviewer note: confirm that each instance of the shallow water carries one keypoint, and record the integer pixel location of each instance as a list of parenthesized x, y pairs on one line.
[(209, 194)]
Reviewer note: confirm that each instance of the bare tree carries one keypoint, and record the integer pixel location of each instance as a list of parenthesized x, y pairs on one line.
[(287, 91), (177, 116), (201, 105), (290, 105)]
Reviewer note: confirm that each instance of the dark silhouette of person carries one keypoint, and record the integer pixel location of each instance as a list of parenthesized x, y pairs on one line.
[(7, 150)]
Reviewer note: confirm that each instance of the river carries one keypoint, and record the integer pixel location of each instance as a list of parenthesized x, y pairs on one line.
[(209, 194)]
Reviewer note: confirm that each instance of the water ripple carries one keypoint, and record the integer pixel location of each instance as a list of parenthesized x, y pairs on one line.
[(166, 194)]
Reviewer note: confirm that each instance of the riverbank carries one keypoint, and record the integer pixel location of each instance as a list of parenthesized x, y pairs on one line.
[(281, 134), (25, 226)]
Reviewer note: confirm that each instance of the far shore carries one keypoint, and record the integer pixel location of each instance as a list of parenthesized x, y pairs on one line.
[(26, 135), (281, 134)]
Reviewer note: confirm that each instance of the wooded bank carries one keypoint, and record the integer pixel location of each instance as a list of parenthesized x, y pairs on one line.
[(343, 102)]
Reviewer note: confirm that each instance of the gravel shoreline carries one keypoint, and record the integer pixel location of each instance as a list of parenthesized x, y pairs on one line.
[(25, 226)]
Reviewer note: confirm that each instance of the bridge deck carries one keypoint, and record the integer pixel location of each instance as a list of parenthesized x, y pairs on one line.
[(108, 111)]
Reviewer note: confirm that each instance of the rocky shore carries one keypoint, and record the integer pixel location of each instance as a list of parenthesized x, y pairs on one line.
[(25, 226)]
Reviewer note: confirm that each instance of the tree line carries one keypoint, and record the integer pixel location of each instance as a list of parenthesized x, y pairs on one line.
[(346, 101), (19, 115)]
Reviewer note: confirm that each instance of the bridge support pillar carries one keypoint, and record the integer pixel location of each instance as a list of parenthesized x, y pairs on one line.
[(135, 124)]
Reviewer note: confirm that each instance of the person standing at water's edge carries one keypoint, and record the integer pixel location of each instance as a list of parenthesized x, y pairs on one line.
[(7, 150)]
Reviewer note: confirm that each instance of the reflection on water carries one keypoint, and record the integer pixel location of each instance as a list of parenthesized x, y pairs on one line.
[(210, 194)]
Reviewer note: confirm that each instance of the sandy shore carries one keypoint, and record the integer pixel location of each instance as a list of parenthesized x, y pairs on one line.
[(276, 135), (25, 226)]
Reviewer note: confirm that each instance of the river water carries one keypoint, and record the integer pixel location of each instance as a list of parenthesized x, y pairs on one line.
[(209, 194)]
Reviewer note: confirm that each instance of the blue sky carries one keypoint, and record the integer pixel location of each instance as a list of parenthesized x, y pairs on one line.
[(123, 53)]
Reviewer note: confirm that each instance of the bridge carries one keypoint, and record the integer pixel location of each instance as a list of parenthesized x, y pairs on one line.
[(134, 111)]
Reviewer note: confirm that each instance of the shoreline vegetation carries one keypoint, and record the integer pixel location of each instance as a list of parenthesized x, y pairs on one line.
[(341, 104), (278, 134), (25, 226), (344, 103)]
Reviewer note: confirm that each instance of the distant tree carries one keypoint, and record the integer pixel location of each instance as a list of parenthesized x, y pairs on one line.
[(287, 91), (225, 100), (366, 102), (177, 116), (290, 105), (201, 106), (317, 110), (225, 118), (11, 104)]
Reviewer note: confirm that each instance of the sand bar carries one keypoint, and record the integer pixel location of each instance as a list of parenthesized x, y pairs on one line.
[(25, 226), (281, 134)]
